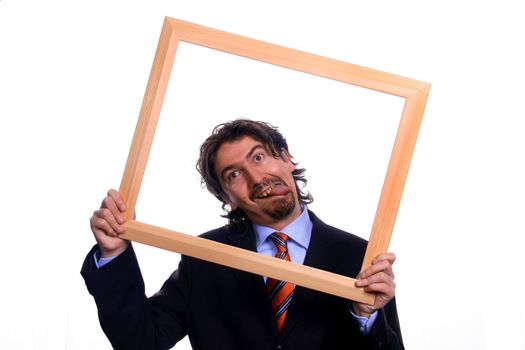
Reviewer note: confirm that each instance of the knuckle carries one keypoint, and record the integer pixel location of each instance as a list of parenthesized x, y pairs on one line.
[(107, 201), (106, 213), (96, 222), (103, 225)]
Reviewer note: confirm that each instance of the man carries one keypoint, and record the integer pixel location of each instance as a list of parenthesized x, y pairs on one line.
[(248, 167)]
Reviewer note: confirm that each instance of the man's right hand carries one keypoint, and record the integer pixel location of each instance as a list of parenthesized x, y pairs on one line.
[(106, 224)]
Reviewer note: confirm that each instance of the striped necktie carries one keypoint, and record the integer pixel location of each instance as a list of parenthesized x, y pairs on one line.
[(280, 292)]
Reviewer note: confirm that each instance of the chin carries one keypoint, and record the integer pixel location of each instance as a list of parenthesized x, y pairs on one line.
[(282, 208)]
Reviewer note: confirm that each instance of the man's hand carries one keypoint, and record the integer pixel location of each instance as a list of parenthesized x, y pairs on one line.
[(378, 279), (106, 225)]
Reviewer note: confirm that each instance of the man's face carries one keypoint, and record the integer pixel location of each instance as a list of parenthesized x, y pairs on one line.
[(257, 182)]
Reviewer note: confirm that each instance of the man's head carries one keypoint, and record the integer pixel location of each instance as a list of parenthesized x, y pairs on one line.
[(247, 166)]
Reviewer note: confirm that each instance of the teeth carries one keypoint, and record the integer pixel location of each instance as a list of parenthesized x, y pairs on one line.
[(266, 193)]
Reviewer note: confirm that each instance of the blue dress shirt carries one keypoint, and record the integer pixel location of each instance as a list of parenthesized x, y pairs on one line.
[(298, 232)]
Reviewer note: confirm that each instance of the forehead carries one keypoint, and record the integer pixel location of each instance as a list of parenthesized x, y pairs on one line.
[(234, 151)]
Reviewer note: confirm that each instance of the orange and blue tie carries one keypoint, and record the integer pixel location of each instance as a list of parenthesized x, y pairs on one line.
[(280, 292)]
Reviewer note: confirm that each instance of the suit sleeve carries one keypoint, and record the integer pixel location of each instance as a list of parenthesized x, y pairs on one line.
[(386, 332), (129, 319)]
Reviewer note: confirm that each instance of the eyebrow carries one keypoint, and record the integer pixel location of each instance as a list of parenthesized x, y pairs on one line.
[(248, 155)]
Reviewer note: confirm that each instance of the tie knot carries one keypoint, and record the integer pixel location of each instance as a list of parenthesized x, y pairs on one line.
[(279, 239)]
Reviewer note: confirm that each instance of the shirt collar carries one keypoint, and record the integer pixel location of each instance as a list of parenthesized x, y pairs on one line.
[(299, 230)]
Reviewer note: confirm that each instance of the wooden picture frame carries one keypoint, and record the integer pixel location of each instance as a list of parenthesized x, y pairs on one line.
[(414, 92)]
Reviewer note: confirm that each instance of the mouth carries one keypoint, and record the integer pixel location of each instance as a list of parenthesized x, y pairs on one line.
[(266, 193), (272, 189)]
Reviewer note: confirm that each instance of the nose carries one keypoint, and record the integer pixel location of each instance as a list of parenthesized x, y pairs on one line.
[(255, 176)]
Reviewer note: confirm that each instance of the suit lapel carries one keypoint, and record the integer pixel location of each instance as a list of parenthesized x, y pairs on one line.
[(253, 284)]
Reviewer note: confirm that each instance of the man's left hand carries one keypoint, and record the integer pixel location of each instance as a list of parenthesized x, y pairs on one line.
[(378, 279)]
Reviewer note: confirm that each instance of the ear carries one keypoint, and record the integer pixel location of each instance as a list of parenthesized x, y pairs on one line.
[(226, 199), (232, 206)]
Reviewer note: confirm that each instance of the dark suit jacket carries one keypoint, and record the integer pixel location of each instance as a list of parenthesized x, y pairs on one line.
[(223, 308)]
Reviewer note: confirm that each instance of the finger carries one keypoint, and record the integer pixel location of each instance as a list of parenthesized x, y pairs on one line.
[(100, 226), (390, 257), (382, 287), (110, 204), (381, 266), (102, 235), (104, 219), (387, 290), (382, 262), (118, 199), (380, 277)]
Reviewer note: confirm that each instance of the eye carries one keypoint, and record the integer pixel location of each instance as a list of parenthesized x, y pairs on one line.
[(258, 157), (234, 174)]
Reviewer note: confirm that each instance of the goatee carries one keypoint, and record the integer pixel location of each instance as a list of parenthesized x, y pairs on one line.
[(282, 207)]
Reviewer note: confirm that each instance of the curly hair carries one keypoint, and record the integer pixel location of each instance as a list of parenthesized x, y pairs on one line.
[(263, 132)]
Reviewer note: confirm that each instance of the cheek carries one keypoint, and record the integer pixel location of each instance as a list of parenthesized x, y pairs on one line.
[(286, 171), (234, 195)]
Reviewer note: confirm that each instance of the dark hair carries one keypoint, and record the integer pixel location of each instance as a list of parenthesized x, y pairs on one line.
[(234, 130)]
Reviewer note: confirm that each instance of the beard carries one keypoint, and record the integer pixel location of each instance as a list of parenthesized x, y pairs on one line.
[(281, 208)]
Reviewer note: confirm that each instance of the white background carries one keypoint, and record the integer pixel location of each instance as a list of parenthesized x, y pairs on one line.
[(72, 78)]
